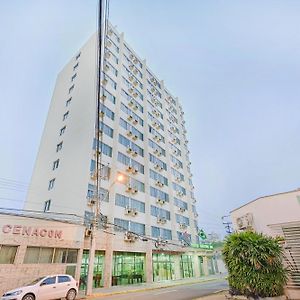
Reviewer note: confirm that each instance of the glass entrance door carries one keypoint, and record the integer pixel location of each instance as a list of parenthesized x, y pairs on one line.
[(98, 269), (163, 267)]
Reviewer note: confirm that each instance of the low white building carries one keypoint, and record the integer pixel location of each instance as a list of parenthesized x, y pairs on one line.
[(276, 215)]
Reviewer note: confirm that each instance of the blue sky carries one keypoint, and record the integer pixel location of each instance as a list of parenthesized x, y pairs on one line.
[(233, 64)]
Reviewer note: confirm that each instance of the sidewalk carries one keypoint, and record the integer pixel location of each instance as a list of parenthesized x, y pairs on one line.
[(216, 296), (123, 289)]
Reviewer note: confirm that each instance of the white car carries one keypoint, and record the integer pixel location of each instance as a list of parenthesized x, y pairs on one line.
[(45, 288)]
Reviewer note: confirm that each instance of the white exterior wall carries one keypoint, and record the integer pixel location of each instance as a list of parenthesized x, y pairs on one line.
[(73, 173), (269, 210)]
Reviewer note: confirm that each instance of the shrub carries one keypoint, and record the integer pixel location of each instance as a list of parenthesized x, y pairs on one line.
[(254, 264)]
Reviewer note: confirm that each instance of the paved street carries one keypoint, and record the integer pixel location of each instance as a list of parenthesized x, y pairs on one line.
[(181, 292)]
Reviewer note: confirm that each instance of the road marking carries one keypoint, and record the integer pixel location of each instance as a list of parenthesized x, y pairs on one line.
[(165, 292)]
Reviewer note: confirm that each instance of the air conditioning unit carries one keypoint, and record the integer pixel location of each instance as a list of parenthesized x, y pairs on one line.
[(157, 167), (127, 210), (179, 193), (196, 215), (134, 190), (245, 222), (135, 71), (178, 179), (129, 133), (135, 121), (160, 201), (103, 98), (130, 103), (134, 153), (181, 209), (91, 201), (135, 107), (174, 140), (134, 171), (135, 94), (107, 54), (129, 237), (135, 60), (154, 123), (128, 189), (152, 89), (108, 43), (110, 32), (158, 183), (161, 220), (106, 67), (87, 232), (131, 67), (129, 150), (131, 56), (194, 200), (129, 168), (135, 83), (182, 226), (104, 81), (135, 137), (176, 165), (152, 79), (131, 78), (131, 90), (129, 118)]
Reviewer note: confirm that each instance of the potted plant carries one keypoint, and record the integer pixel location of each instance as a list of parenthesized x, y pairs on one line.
[(255, 267)]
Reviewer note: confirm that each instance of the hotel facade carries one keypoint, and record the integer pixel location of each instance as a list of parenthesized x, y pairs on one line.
[(143, 137)]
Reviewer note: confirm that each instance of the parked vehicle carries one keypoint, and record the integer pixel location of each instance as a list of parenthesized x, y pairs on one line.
[(45, 288)]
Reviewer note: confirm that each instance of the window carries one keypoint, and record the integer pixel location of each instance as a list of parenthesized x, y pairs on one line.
[(183, 220), (131, 128), (155, 121), (131, 114), (155, 146), (73, 77), (109, 96), (105, 149), (127, 143), (62, 279), (51, 184), (71, 88), (129, 225), (49, 280), (179, 188), (104, 109), (181, 204), (75, 66), (59, 146), (158, 177), (124, 201), (157, 161), (7, 254), (157, 135), (65, 116), (55, 164), (36, 255), (159, 194), (103, 193), (47, 205), (125, 160), (65, 256), (160, 212), (111, 82), (68, 102), (137, 184), (156, 232), (62, 131), (106, 129), (78, 55)]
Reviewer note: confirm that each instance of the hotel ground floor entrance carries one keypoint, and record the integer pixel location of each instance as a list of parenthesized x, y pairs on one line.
[(163, 266)]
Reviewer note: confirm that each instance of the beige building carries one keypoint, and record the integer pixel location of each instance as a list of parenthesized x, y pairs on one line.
[(276, 215), (38, 244)]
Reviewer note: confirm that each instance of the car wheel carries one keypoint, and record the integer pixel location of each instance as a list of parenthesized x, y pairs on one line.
[(71, 295), (28, 297)]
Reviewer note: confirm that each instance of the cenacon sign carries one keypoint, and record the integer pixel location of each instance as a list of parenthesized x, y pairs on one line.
[(32, 231)]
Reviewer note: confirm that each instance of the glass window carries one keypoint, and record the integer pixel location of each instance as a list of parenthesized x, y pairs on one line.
[(68, 102), (62, 279), (62, 131), (60, 255), (47, 205), (49, 280), (55, 164), (59, 146), (46, 255), (72, 256), (51, 184), (32, 255), (7, 254), (186, 266), (71, 88), (128, 268), (163, 266)]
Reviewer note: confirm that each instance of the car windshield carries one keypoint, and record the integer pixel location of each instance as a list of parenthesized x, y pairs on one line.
[(35, 281)]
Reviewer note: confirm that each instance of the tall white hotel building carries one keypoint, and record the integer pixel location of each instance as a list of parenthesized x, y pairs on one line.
[(144, 137)]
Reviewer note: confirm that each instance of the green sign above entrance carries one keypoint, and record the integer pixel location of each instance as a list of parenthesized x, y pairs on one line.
[(207, 246)]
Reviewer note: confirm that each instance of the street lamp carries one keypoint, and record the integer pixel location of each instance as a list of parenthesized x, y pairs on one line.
[(120, 178)]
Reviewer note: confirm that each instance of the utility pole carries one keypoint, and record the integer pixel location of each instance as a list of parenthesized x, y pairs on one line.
[(227, 224), (103, 10)]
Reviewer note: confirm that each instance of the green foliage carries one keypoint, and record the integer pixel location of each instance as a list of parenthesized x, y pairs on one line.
[(254, 263)]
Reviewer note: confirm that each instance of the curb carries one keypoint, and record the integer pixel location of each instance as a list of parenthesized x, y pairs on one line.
[(146, 289), (211, 294)]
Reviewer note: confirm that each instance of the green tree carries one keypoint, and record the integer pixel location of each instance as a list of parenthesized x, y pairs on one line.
[(254, 264)]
